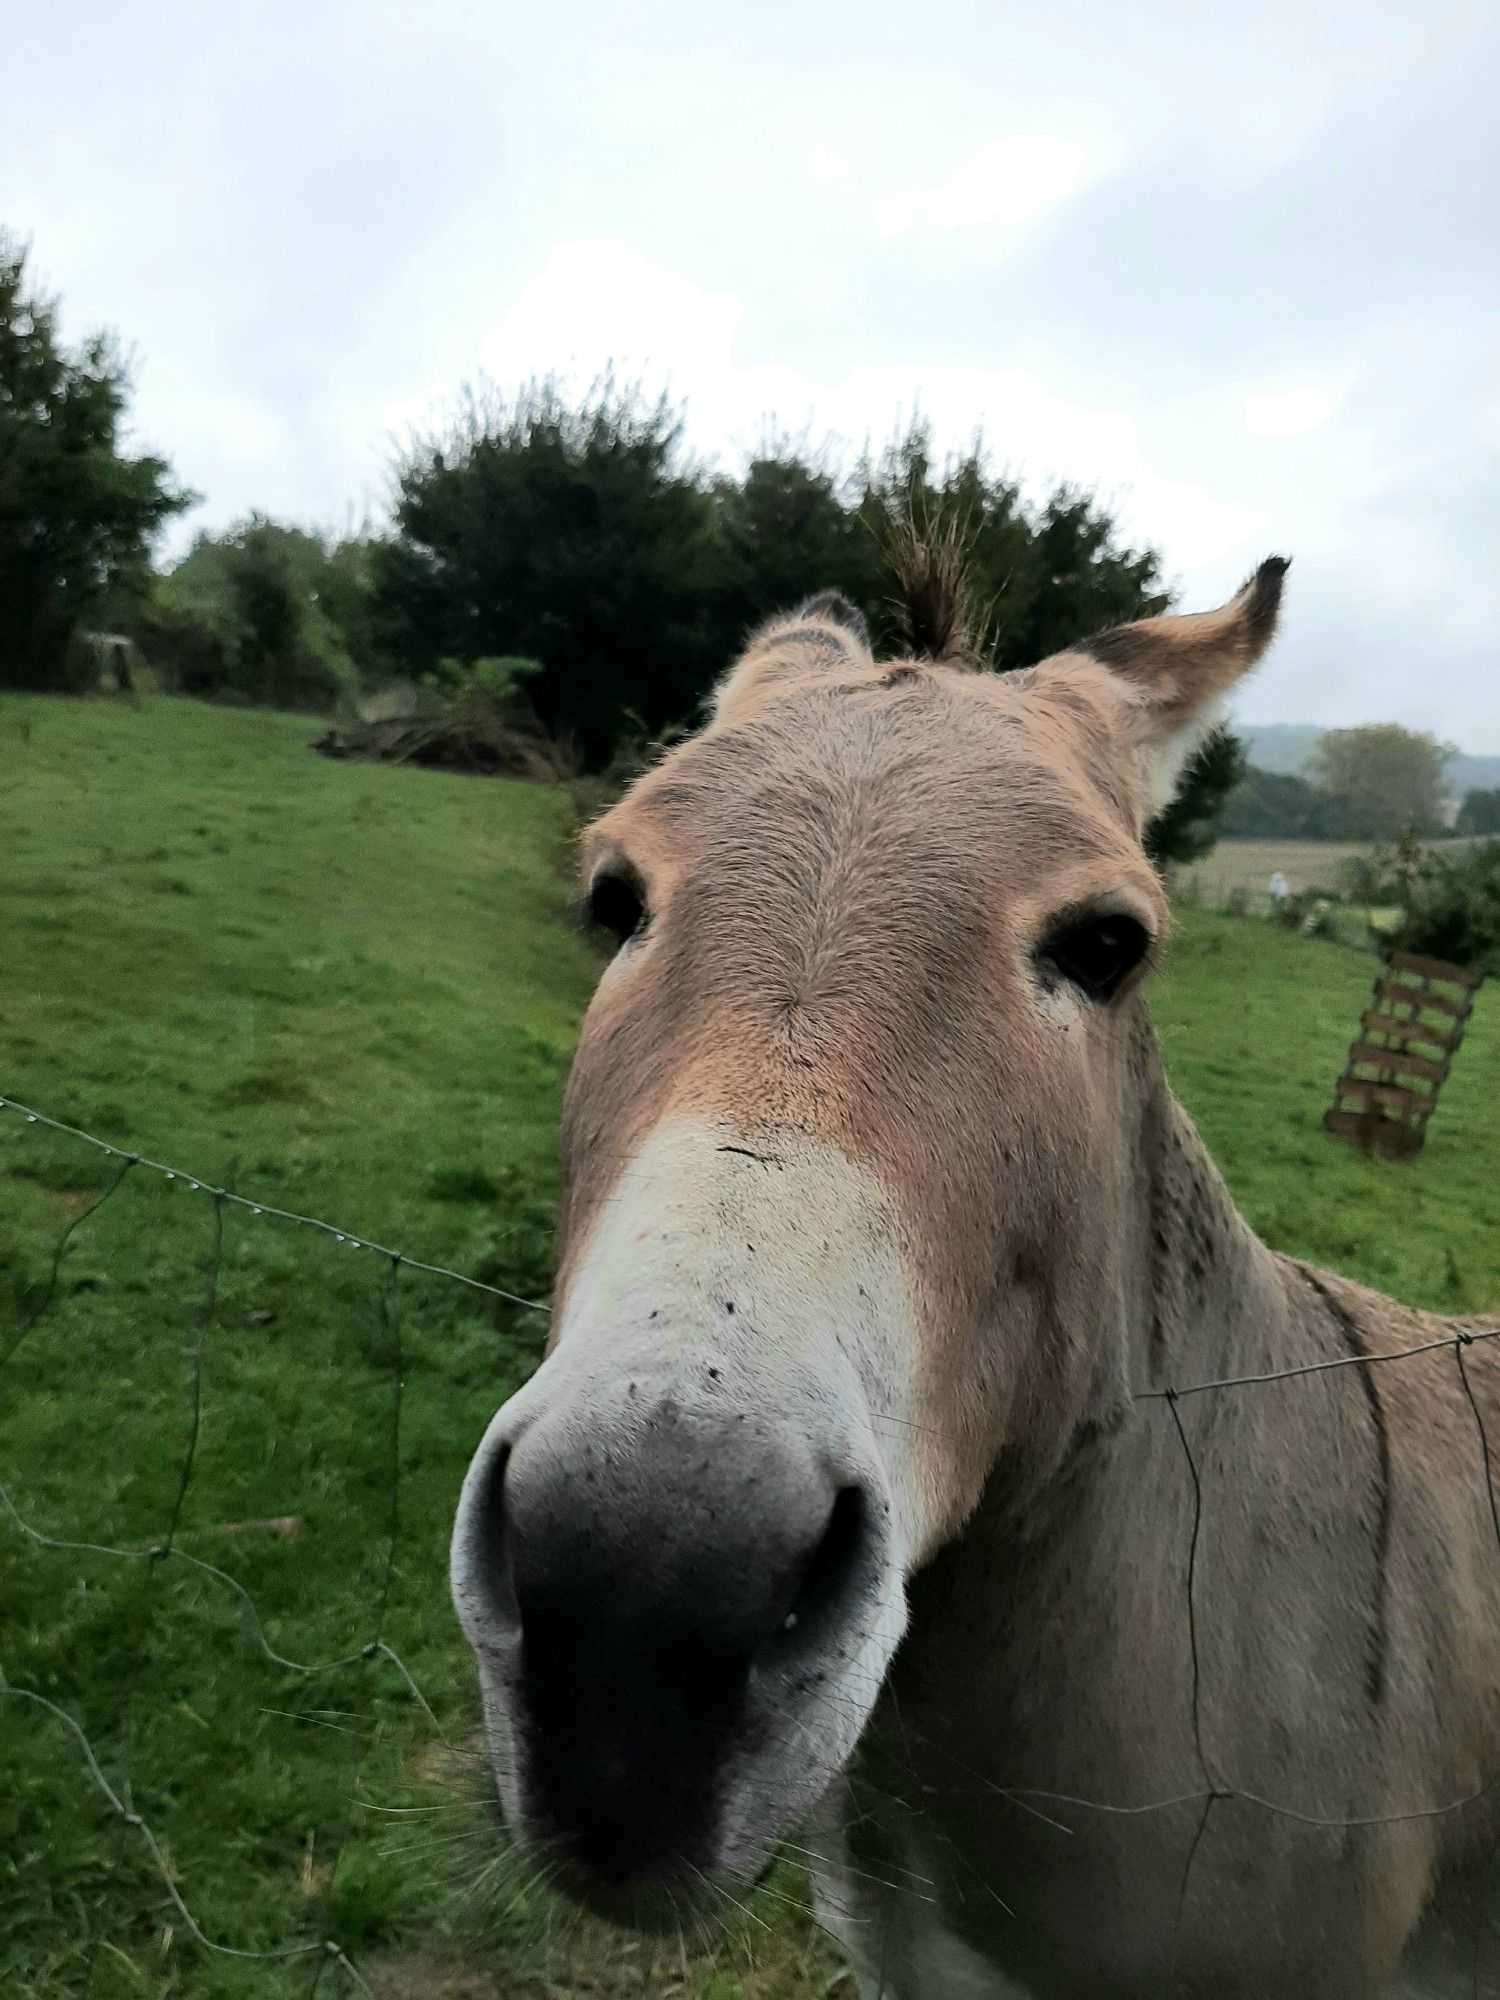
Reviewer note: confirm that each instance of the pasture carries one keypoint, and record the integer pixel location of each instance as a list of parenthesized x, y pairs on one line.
[(1246, 866), (1249, 864), (1245, 869), (351, 991)]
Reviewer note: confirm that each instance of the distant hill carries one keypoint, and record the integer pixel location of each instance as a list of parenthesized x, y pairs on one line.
[(1284, 747)]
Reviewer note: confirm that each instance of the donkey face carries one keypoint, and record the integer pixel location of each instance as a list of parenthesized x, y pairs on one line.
[(844, 1149)]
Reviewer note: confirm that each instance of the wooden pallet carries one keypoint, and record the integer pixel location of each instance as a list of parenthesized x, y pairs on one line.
[(1401, 1055)]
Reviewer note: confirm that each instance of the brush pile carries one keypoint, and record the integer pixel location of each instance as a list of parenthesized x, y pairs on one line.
[(474, 719)]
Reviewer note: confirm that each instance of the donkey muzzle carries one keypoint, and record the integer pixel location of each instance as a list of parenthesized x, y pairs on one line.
[(656, 1582)]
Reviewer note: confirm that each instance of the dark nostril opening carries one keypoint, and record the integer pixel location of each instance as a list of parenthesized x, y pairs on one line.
[(496, 1581), (832, 1572)]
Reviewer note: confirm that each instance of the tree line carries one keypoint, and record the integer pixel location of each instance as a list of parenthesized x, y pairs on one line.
[(1374, 782), (581, 535), (575, 537)]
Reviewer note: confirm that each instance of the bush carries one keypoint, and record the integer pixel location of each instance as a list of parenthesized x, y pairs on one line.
[(500, 677), (579, 533), (1365, 878), (1445, 899), (1452, 907)]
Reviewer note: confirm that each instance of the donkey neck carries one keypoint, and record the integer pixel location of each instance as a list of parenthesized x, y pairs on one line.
[(1067, 1566), (1204, 1296)]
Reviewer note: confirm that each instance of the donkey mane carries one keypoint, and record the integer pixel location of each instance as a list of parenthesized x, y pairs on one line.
[(937, 611)]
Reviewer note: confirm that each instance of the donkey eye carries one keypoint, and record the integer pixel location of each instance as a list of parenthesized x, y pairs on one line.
[(616, 903), (1097, 953)]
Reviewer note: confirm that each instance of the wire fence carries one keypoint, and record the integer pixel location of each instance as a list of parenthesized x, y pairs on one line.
[(321, 1951), (1215, 1790)]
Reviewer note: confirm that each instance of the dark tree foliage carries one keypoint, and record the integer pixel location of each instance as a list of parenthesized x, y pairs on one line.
[(1076, 580), (1272, 805), (1187, 827), (1479, 813), (77, 514), (1043, 581), (785, 530), (577, 534), (964, 497)]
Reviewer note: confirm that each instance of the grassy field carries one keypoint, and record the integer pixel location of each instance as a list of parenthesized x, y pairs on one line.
[(352, 992), (1247, 866)]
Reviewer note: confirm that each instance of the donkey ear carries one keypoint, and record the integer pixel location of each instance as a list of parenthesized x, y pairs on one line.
[(824, 635), (833, 606), (1178, 670)]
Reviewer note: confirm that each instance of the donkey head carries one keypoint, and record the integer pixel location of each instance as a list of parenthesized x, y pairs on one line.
[(846, 1149)]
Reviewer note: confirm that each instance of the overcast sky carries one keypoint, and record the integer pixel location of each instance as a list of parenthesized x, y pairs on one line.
[(1237, 268)]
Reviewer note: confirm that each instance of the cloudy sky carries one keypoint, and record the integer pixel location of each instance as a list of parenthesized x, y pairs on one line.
[(1239, 268)]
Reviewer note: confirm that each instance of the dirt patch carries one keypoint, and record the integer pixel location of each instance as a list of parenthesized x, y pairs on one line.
[(597, 1964)]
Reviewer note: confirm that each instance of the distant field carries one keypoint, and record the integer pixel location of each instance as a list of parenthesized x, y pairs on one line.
[(353, 991), (1249, 865)]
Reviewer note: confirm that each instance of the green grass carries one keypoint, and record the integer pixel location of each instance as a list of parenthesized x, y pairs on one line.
[(1254, 1024), (352, 992)]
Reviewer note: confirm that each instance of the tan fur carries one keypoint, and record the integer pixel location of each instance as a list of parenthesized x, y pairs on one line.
[(797, 647), (848, 873)]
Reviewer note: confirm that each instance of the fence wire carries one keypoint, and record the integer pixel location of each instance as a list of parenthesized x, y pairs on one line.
[(1215, 1789), (322, 1951)]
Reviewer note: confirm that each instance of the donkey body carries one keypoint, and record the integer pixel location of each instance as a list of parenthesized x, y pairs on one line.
[(1345, 1605), (891, 1471)]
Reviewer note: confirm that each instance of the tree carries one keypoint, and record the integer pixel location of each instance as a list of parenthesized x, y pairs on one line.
[(1449, 899), (785, 531), (277, 607), (1479, 813), (964, 497), (77, 514), (1190, 822), (1042, 581), (576, 534), (1272, 805), (1076, 580), (1382, 778)]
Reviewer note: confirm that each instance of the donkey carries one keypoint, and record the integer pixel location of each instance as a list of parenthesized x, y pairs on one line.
[(861, 1494)]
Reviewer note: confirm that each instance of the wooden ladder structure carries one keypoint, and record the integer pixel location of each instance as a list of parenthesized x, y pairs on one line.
[(1401, 1055)]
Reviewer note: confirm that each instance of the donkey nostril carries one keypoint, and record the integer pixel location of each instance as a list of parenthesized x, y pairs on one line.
[(832, 1571), (497, 1582)]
